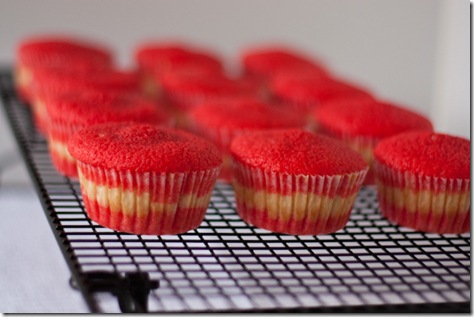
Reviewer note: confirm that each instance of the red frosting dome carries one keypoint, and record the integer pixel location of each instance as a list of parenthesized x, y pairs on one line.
[(168, 56), (54, 82), (143, 148), (197, 83), (312, 87), (60, 52), (265, 61), (192, 69), (245, 113), (365, 117), (188, 89), (296, 151), (150, 54), (90, 107), (427, 153)]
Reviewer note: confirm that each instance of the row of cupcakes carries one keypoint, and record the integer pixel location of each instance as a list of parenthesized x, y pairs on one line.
[(73, 84), (149, 180), (182, 79)]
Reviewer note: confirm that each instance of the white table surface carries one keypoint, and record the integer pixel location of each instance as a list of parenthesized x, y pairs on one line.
[(33, 273), (34, 277)]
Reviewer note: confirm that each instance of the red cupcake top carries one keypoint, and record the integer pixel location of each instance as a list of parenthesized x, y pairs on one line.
[(143, 148), (185, 90), (296, 151), (245, 114), (49, 82), (365, 117), (149, 54), (310, 87), (62, 52), (191, 69), (90, 107), (427, 153), (263, 62), (170, 56), (186, 82)]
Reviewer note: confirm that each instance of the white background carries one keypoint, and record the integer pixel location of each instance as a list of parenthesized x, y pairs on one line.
[(414, 52)]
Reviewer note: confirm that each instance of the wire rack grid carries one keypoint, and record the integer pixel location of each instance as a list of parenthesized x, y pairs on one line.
[(226, 265)]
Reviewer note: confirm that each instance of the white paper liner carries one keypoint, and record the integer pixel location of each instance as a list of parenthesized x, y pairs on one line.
[(22, 78), (40, 114), (424, 203), (58, 133), (295, 204), (146, 203), (62, 159), (149, 86)]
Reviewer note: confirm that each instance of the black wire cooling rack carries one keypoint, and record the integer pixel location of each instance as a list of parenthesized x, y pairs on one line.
[(226, 265)]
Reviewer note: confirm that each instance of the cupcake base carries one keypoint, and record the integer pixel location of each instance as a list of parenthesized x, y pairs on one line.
[(58, 136), (365, 147), (150, 87), (423, 203), (40, 115), (295, 204), (62, 160), (146, 203), (23, 78), (226, 171), (153, 223), (298, 214)]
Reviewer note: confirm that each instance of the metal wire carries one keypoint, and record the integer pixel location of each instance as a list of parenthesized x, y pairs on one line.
[(227, 265)]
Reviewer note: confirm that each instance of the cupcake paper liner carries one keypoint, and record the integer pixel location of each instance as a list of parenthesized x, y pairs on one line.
[(23, 79), (180, 106), (58, 136), (424, 203), (365, 147), (226, 173), (40, 114), (306, 110), (149, 86), (222, 138), (146, 203), (299, 105), (183, 102), (187, 101), (62, 160), (295, 204), (181, 119)]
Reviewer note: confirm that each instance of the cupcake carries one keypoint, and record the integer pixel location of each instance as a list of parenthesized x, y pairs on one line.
[(423, 181), (263, 63), (56, 53), (304, 90), (156, 59), (71, 113), (185, 91), (296, 182), (222, 120), (363, 122), (49, 84), (144, 179)]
